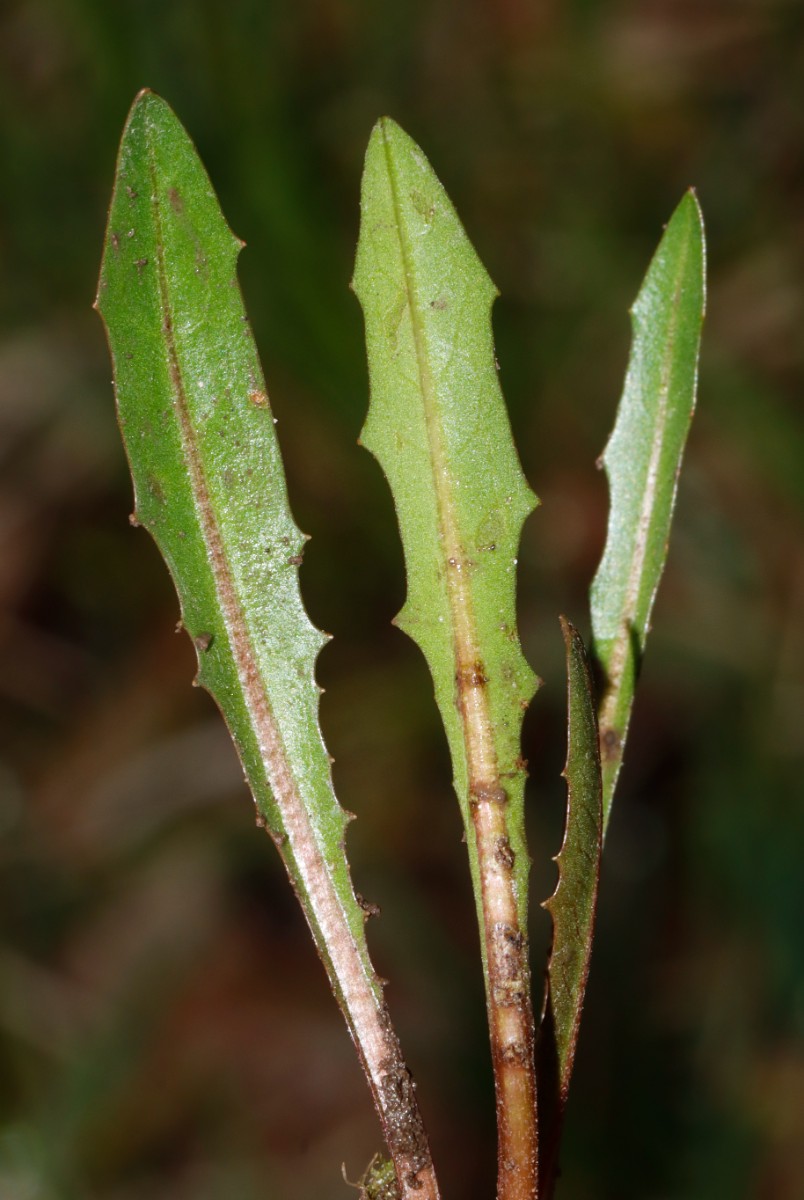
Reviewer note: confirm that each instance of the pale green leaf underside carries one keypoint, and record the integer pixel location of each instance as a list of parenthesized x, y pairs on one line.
[(642, 461), (572, 906), (438, 426), (209, 483)]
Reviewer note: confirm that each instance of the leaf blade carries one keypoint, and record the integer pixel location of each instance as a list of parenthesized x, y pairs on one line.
[(642, 461), (228, 548), (438, 427), (470, 429), (209, 486), (572, 906)]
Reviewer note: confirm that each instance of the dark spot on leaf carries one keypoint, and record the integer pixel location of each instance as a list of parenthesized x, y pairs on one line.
[(491, 530), (258, 398), (203, 642), (295, 560), (394, 316), (504, 854), (115, 240), (516, 1054), (487, 793), (473, 676), (423, 208), (140, 263), (610, 744), (176, 202), (156, 489)]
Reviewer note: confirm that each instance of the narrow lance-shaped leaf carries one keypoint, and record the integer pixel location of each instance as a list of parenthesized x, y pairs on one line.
[(438, 426), (209, 486), (642, 461), (572, 905)]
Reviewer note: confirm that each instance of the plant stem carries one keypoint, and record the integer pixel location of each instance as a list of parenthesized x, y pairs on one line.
[(366, 1014), (508, 996)]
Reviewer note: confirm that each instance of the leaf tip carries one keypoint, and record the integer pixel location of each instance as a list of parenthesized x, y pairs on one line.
[(141, 102), (568, 631), (389, 137), (149, 109), (694, 204), (388, 128), (147, 97), (379, 135), (690, 206)]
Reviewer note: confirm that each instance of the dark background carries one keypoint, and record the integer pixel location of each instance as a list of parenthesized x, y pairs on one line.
[(165, 1027)]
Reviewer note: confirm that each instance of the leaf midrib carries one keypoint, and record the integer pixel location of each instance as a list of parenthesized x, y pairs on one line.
[(479, 749), (504, 942), (334, 934), (618, 655)]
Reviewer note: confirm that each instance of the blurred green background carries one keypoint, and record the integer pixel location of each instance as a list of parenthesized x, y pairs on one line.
[(165, 1027)]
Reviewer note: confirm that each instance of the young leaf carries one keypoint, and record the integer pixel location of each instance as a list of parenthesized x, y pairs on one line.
[(642, 461), (438, 426), (209, 486), (572, 905)]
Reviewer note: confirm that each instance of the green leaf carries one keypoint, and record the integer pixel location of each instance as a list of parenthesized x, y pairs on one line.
[(438, 426), (572, 906), (209, 486), (642, 461)]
